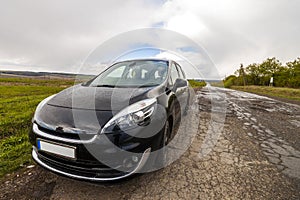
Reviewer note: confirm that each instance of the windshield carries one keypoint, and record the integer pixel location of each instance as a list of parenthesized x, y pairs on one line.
[(141, 73)]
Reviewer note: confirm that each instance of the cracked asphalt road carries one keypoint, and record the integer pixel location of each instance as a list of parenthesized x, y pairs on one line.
[(255, 156)]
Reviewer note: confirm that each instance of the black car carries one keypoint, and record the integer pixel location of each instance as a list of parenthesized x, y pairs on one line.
[(114, 125)]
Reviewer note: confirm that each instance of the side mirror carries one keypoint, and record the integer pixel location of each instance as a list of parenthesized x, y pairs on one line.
[(180, 83)]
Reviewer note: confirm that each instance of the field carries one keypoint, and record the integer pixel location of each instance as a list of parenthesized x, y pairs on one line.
[(18, 100), (280, 92)]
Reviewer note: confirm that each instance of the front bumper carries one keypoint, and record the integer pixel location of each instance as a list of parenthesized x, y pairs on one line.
[(89, 174), (86, 166)]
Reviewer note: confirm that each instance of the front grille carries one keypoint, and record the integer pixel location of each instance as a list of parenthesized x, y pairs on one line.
[(67, 135), (89, 162), (81, 169)]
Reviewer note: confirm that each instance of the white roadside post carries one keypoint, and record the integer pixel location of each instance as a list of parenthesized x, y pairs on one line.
[(271, 81)]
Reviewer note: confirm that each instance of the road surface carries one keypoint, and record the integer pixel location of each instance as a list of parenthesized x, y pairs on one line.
[(255, 155)]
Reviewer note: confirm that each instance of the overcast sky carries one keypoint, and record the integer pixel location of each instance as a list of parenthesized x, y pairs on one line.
[(58, 35)]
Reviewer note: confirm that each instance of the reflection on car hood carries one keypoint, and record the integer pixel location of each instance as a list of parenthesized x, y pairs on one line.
[(90, 121), (99, 98)]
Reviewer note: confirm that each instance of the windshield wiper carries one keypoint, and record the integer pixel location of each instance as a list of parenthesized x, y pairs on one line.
[(111, 86), (152, 85), (126, 86)]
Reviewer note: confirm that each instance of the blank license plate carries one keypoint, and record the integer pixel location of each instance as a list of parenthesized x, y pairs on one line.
[(62, 150)]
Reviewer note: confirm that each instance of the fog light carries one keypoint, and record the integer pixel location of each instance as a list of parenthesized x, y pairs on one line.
[(130, 162), (135, 159), (127, 163)]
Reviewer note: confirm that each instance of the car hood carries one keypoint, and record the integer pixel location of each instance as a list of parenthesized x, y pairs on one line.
[(99, 98), (89, 108)]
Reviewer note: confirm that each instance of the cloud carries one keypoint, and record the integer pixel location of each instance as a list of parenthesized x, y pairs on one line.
[(153, 42), (235, 32), (58, 35)]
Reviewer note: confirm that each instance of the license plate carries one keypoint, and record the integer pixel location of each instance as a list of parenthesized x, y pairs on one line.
[(58, 149)]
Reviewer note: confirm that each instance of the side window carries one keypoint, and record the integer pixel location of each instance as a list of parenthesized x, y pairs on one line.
[(174, 74), (181, 73)]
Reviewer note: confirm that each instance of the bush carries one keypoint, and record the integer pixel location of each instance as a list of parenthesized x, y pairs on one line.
[(230, 81)]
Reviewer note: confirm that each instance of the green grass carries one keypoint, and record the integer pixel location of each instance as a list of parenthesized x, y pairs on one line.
[(18, 100), (197, 84), (217, 84), (286, 93), (36, 81)]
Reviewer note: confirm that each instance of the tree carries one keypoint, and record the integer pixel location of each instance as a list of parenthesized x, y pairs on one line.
[(269, 68), (282, 77), (240, 76), (253, 74), (260, 74), (294, 73)]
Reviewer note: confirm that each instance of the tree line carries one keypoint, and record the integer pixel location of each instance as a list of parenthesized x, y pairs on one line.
[(287, 75)]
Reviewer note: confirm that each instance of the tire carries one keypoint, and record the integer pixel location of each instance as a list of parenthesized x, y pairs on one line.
[(186, 109), (162, 156)]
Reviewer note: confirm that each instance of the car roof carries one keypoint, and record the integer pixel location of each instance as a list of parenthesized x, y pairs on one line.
[(144, 59)]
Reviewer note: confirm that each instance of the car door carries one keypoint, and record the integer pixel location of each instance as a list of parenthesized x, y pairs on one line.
[(184, 90), (178, 91)]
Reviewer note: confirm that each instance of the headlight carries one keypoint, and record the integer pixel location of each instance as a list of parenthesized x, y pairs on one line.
[(132, 116), (39, 107)]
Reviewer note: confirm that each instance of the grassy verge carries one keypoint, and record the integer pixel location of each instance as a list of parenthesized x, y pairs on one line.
[(285, 93), (18, 100), (217, 84), (197, 84)]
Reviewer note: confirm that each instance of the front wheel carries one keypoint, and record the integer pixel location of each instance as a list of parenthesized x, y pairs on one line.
[(162, 156)]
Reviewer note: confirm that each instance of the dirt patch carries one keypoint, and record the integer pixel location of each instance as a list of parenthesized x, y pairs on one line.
[(34, 183)]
